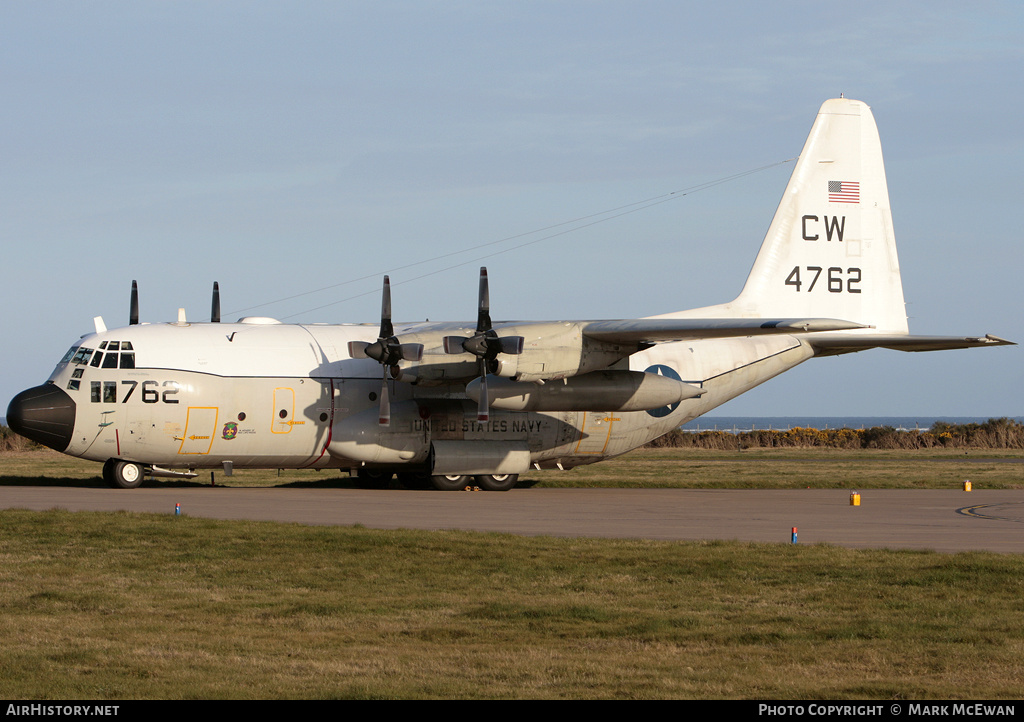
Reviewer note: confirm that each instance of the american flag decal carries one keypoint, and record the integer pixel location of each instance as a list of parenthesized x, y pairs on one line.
[(844, 192)]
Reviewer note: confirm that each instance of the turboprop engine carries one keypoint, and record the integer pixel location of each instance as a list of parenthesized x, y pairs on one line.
[(547, 351), (531, 352)]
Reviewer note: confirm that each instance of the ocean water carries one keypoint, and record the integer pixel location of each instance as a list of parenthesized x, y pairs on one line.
[(747, 423)]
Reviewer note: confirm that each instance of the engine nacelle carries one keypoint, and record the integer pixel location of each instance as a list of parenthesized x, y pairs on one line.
[(556, 351), (595, 391)]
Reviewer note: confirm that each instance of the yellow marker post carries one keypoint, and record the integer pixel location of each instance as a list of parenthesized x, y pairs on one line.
[(855, 498), (967, 485)]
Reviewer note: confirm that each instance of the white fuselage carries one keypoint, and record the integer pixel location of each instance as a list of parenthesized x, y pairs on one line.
[(261, 394)]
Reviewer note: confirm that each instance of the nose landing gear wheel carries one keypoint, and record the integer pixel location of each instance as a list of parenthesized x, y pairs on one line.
[(123, 474)]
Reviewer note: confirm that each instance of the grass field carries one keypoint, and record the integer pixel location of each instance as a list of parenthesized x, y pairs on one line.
[(122, 606)]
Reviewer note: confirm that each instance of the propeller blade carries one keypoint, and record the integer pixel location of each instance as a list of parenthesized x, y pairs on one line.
[(483, 317), (410, 351), (387, 330), (215, 305), (453, 344), (133, 306), (482, 413), (385, 401), (357, 349), (512, 345)]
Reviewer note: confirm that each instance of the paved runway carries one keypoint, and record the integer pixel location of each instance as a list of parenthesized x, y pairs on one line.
[(947, 521)]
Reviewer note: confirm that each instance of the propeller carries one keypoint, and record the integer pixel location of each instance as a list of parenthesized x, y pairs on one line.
[(387, 350), (215, 307), (133, 306), (485, 344)]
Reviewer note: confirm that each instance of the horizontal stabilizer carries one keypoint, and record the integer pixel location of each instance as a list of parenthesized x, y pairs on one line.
[(653, 330), (830, 345)]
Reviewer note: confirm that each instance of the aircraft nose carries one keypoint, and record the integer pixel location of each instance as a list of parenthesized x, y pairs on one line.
[(45, 414)]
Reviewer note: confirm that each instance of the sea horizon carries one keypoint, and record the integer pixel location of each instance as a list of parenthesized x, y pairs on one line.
[(921, 422)]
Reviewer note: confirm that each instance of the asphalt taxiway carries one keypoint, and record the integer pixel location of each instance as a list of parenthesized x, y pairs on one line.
[(939, 520)]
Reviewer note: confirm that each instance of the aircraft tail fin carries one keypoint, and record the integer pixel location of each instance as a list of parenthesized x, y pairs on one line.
[(830, 251)]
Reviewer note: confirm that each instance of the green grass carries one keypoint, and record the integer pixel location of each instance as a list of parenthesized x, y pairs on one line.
[(117, 606), (123, 606)]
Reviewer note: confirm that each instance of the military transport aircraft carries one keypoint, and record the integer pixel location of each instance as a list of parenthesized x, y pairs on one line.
[(452, 404)]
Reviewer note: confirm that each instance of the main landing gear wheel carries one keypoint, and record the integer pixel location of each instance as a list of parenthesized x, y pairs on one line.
[(452, 482), (497, 482), (123, 474), (416, 480), (373, 479)]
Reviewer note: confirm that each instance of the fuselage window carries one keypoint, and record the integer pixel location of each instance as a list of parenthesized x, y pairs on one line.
[(110, 392), (94, 391), (73, 384), (127, 360), (110, 360)]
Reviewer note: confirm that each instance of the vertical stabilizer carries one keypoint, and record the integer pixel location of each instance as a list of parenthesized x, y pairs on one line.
[(830, 250)]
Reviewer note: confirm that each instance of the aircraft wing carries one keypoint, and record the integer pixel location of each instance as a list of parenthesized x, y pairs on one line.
[(834, 344), (654, 330)]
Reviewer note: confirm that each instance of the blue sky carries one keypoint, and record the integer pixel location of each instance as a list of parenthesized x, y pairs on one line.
[(284, 148)]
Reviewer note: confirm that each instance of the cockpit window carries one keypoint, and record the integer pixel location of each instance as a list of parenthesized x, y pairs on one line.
[(82, 356), (118, 354)]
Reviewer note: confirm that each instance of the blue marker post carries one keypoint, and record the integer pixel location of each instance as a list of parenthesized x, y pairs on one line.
[(794, 535), (177, 510)]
